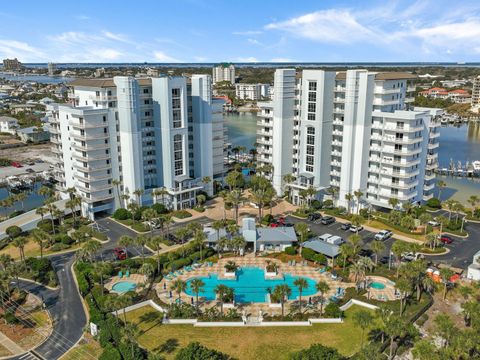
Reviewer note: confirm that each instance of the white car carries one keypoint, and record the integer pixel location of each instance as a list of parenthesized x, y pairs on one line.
[(356, 229), (434, 223), (383, 235)]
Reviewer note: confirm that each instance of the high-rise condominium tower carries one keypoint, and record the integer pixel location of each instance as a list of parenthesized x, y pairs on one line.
[(123, 138), (347, 132)]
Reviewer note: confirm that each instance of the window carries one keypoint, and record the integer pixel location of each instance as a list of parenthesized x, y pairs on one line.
[(312, 85), (311, 116), (147, 113), (176, 108), (312, 107), (178, 154), (312, 96), (311, 130), (145, 91)]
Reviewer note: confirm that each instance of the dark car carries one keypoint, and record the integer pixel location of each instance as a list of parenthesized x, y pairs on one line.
[(120, 253), (30, 170), (346, 226), (327, 220), (384, 260), (314, 216), (365, 253), (445, 239), (289, 224)]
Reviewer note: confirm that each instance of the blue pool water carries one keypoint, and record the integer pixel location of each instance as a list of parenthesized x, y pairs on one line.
[(124, 286), (250, 286), (377, 285)]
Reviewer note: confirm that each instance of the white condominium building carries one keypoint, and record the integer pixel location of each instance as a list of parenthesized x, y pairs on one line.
[(224, 72), (349, 131), (252, 91), (145, 133), (476, 92)]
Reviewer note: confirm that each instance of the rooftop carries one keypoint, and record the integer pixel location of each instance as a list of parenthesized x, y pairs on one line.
[(323, 247), (105, 83)]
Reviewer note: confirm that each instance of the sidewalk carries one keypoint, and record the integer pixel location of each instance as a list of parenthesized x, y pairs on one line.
[(10, 345)]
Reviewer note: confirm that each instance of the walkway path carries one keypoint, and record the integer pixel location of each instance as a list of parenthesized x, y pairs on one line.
[(29, 220), (10, 345)]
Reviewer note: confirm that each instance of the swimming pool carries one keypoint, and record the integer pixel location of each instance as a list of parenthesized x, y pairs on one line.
[(124, 286), (251, 286), (377, 285)]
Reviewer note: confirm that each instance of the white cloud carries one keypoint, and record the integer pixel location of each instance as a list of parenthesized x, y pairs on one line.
[(200, 58), (23, 51), (326, 26), (247, 59), (116, 37), (254, 42), (162, 57), (247, 33), (82, 17)]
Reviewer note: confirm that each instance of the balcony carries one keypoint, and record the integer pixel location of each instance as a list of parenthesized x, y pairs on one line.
[(94, 188), (55, 140), (399, 185), (87, 125), (57, 150), (429, 187), (406, 163), (339, 100), (405, 141), (434, 135), (380, 90), (429, 176), (401, 174), (384, 102), (94, 198), (403, 129), (338, 122), (86, 137), (433, 146), (338, 110), (401, 197), (264, 133), (91, 157), (92, 168), (262, 141), (90, 147), (404, 152)]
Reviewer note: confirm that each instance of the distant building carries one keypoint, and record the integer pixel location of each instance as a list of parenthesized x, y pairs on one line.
[(153, 72), (224, 72), (473, 272), (12, 65), (476, 92), (458, 96), (252, 91), (33, 134), (99, 72), (453, 83), (18, 108), (51, 68), (8, 124)]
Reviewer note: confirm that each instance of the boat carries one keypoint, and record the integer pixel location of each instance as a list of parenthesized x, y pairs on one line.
[(476, 166)]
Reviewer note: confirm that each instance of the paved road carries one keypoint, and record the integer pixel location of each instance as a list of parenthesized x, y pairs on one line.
[(461, 250), (65, 306)]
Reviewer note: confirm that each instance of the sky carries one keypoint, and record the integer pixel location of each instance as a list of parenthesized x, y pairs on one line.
[(240, 31)]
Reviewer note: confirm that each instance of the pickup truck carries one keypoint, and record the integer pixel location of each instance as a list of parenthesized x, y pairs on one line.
[(383, 235)]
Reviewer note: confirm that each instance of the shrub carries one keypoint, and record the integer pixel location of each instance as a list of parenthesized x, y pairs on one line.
[(63, 238), (199, 209), (15, 213), (122, 214), (140, 227), (476, 212), (317, 351), (45, 225), (59, 247), (110, 353), (290, 250), (328, 204), (195, 351), (268, 219), (316, 204), (13, 231), (182, 214), (160, 208), (434, 203), (332, 310), (308, 254)]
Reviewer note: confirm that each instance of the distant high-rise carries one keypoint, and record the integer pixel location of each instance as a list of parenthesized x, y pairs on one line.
[(348, 132), (224, 72), (476, 92), (12, 65), (51, 68)]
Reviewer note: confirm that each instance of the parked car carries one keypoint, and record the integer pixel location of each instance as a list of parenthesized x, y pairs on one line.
[(434, 223), (445, 239), (274, 224), (120, 253), (384, 260), (335, 240), (356, 229), (407, 257), (289, 224), (328, 220), (30, 163), (314, 216), (325, 237), (346, 226), (17, 164), (29, 170), (383, 235), (367, 253)]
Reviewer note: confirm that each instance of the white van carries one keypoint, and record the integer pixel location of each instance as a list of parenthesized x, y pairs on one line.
[(325, 237), (335, 240)]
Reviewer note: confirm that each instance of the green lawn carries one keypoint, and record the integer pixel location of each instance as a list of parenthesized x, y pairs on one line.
[(245, 343)]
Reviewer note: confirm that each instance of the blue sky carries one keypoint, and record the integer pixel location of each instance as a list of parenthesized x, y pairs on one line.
[(240, 31)]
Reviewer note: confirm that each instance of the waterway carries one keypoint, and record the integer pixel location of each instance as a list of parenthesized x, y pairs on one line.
[(43, 79), (32, 201), (456, 143)]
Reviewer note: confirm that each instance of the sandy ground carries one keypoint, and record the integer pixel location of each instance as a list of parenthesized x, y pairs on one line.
[(31, 152)]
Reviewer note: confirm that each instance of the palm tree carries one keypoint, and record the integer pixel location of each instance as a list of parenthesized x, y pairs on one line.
[(441, 184), (155, 243), (473, 201), (398, 248), (288, 179), (357, 270), (40, 236), (199, 240), (302, 229), (322, 287), (20, 242), (445, 274), (358, 194), (197, 286), (101, 269), (238, 243), (125, 241), (403, 286), (149, 215), (235, 198), (394, 327), (217, 226), (424, 219), (21, 197), (431, 240), (282, 292), (123, 301), (349, 197), (52, 208), (300, 283), (178, 286), (346, 250), (141, 240), (138, 193), (73, 204), (393, 202), (377, 247), (46, 192), (356, 241), (41, 211), (362, 319), (222, 292), (90, 248), (148, 270)]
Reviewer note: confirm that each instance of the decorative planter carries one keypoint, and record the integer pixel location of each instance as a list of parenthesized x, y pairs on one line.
[(232, 275)]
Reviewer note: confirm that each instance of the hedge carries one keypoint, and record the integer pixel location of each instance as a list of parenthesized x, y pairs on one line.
[(434, 203), (122, 214), (181, 214), (290, 250)]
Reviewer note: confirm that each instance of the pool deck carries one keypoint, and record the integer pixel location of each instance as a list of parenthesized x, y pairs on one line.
[(135, 278), (163, 287), (386, 294)]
